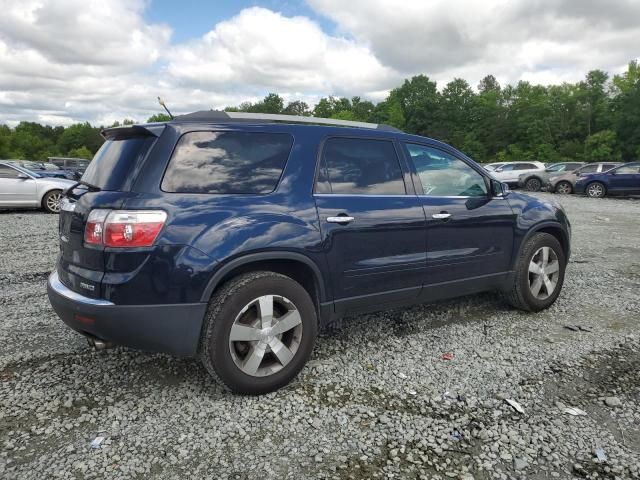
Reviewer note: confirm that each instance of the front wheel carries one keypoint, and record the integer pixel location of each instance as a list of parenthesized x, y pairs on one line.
[(596, 190), (51, 201), (564, 188), (539, 274), (259, 332), (533, 185)]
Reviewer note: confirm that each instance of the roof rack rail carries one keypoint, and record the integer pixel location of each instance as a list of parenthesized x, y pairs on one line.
[(221, 116)]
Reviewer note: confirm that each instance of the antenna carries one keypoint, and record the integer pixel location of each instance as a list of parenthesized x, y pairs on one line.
[(161, 102)]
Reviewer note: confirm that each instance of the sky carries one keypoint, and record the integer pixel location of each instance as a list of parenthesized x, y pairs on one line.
[(68, 61)]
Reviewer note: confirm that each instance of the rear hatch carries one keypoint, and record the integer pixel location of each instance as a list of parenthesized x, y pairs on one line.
[(105, 184)]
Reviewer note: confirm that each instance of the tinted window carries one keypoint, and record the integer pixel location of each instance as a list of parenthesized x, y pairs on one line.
[(556, 168), (443, 175), (573, 166), (8, 172), (360, 166), (227, 162), (589, 169), (113, 165), (525, 166), (507, 168), (627, 169)]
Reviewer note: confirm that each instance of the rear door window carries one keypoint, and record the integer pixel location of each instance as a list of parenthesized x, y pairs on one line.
[(589, 169), (227, 163), (113, 165), (360, 166)]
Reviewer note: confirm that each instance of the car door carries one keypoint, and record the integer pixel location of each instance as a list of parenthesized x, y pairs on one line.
[(372, 223), (469, 230), (624, 179), (16, 188)]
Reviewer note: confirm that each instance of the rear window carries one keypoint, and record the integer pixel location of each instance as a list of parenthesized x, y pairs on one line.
[(114, 165), (227, 163)]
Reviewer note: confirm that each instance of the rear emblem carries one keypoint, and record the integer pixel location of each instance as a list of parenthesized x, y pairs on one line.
[(86, 286)]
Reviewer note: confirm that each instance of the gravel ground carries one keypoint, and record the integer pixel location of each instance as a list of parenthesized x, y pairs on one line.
[(376, 401)]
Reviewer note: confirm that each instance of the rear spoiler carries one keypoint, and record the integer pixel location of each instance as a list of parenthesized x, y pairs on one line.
[(131, 131)]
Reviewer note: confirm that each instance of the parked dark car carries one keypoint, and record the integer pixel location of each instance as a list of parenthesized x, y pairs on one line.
[(43, 169), (534, 181), (75, 165), (563, 182), (623, 180), (235, 237)]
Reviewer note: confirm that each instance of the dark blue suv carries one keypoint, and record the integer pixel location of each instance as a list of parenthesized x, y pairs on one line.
[(623, 180), (236, 238)]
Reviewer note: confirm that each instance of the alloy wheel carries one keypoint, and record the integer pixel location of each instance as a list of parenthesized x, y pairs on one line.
[(533, 185), (544, 272), (53, 202), (564, 188), (595, 190), (265, 335)]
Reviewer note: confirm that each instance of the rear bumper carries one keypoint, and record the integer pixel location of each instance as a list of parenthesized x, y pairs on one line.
[(173, 328)]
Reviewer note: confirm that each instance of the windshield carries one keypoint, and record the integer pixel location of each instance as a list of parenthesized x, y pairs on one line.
[(558, 167), (114, 164)]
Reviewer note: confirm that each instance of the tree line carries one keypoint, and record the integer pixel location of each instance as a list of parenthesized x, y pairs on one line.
[(597, 118)]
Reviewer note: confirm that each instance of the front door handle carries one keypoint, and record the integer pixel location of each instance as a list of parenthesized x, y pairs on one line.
[(441, 216), (342, 219)]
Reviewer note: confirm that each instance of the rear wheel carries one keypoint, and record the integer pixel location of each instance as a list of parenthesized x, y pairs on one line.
[(533, 185), (539, 274), (564, 188), (259, 332), (596, 190), (51, 201)]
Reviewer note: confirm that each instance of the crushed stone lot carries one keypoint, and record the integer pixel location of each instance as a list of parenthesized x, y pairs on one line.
[(377, 400)]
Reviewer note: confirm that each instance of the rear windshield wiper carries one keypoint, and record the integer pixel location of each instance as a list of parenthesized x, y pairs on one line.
[(90, 188)]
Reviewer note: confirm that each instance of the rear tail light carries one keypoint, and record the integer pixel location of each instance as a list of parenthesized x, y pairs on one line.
[(124, 228)]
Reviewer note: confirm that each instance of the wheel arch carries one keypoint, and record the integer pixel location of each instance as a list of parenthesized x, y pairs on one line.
[(294, 265), (552, 228)]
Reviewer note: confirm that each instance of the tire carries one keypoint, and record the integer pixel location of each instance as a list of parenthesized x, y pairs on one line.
[(533, 184), (51, 201), (236, 306), (564, 188), (523, 294), (595, 190)]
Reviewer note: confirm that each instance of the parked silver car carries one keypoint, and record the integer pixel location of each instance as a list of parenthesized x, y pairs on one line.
[(21, 188)]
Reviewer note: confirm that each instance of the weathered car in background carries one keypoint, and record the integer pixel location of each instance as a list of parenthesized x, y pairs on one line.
[(21, 188), (75, 165), (510, 172), (564, 182), (534, 181)]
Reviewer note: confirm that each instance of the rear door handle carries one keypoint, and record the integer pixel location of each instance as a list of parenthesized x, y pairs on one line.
[(441, 216), (340, 219)]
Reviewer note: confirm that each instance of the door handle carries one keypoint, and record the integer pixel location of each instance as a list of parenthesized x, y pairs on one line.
[(344, 219), (441, 216)]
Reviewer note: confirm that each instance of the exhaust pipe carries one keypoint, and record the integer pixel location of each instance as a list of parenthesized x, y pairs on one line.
[(98, 344)]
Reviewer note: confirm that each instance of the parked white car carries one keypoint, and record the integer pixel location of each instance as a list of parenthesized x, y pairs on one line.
[(20, 188), (510, 172)]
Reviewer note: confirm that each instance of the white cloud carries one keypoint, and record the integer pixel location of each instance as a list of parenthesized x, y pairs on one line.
[(554, 40), (260, 50), (63, 61)]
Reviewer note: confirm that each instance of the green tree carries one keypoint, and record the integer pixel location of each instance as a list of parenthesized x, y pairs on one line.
[(602, 146), (82, 152), (158, 117), (79, 135), (297, 108)]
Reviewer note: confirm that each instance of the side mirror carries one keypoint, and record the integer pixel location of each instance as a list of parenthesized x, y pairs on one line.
[(499, 189)]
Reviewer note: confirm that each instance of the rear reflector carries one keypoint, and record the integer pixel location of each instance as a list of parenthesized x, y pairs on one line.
[(124, 228)]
